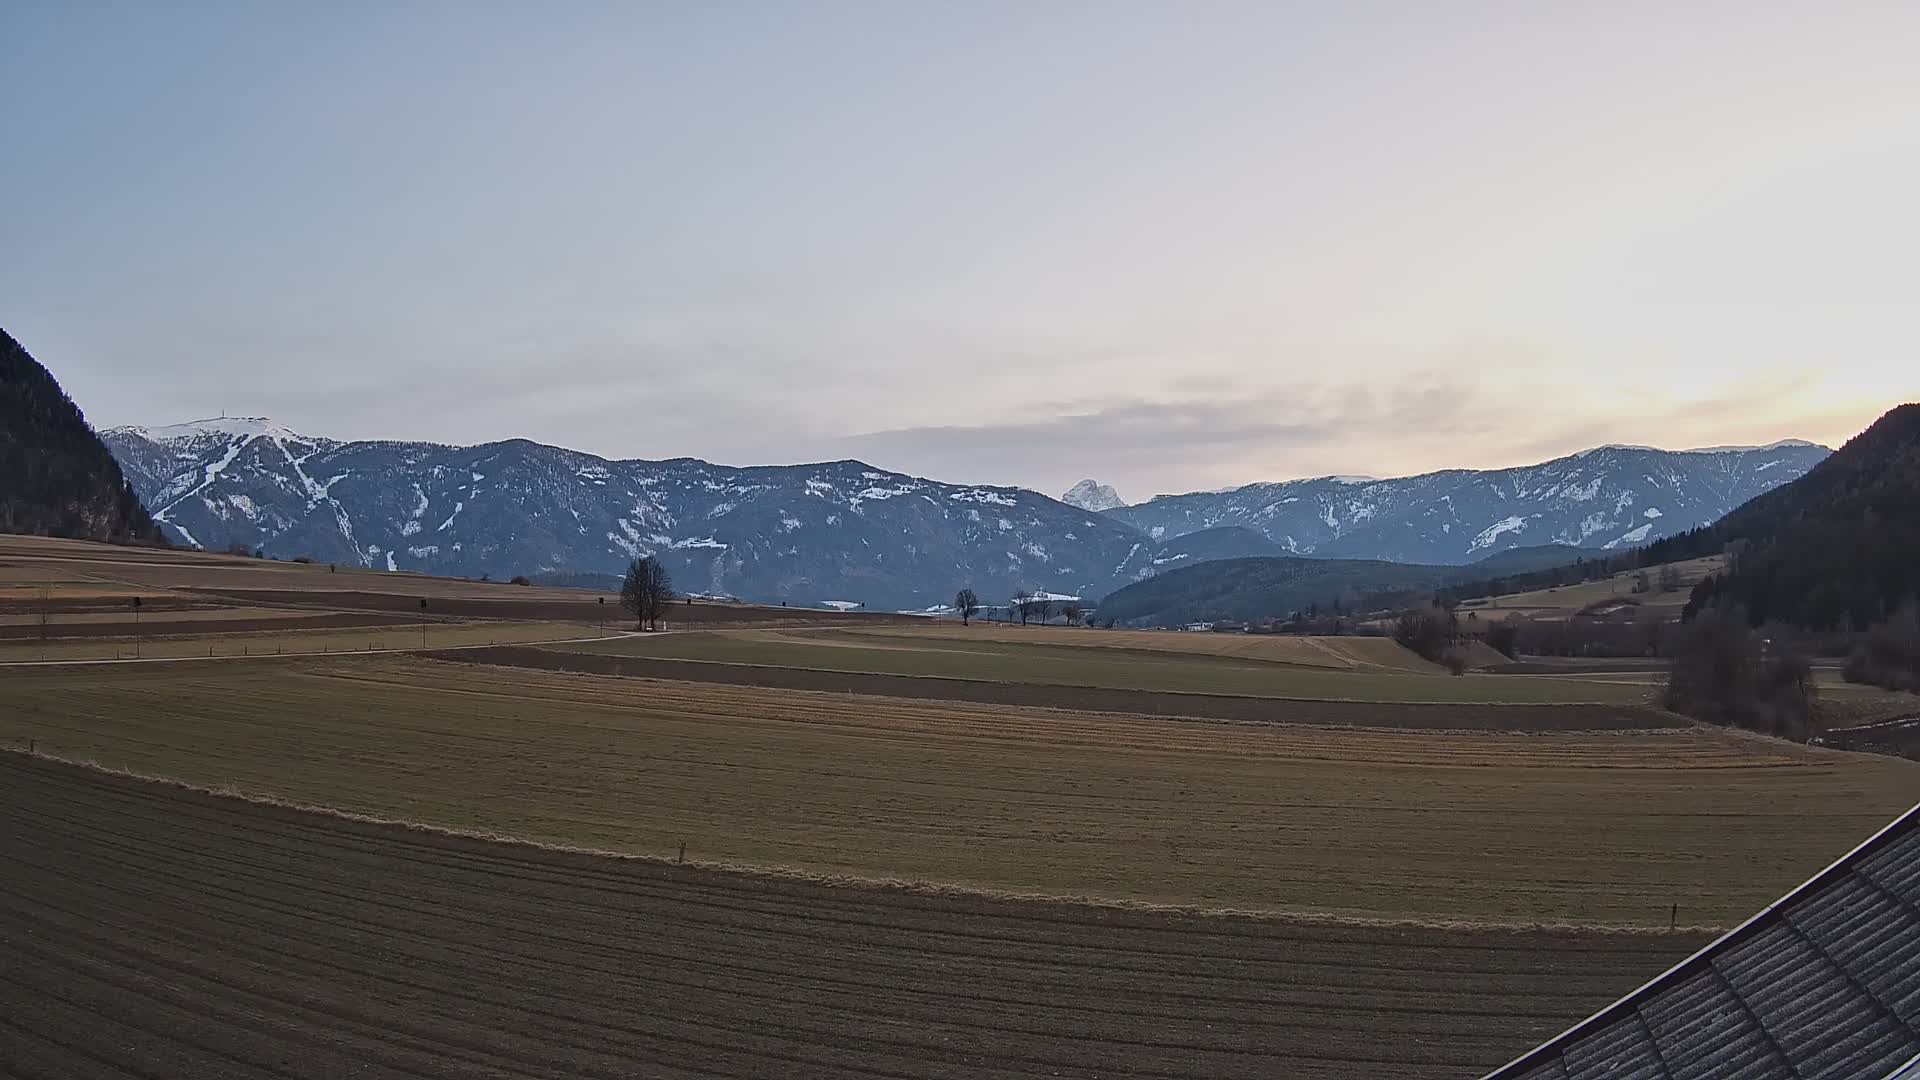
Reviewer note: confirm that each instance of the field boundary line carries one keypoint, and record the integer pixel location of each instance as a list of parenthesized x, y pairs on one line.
[(895, 886)]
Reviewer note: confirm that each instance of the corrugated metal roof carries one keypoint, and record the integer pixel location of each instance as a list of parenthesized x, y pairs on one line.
[(1822, 985)]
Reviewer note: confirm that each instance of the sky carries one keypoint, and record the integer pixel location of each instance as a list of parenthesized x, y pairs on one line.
[(1172, 246)]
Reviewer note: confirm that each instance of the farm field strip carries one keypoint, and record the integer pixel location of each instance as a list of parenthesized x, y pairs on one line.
[(165, 641), (122, 617), (1563, 601), (1340, 653), (197, 935), (1475, 827), (993, 661), (1220, 707)]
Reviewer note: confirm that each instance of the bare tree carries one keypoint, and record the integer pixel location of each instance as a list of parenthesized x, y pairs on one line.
[(967, 604), (1073, 612), (1669, 578), (647, 591), (1023, 605)]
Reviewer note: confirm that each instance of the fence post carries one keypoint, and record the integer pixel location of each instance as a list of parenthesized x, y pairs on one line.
[(683, 852), (1673, 917)]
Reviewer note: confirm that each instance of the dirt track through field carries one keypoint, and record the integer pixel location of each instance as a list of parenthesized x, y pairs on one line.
[(1496, 717), (149, 931)]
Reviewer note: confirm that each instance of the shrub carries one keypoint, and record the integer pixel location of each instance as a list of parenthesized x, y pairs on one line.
[(1504, 638), (1427, 631), (1889, 654), (1724, 673), (519, 579)]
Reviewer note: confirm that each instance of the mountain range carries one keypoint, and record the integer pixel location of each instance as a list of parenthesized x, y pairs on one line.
[(1610, 497), (847, 531)]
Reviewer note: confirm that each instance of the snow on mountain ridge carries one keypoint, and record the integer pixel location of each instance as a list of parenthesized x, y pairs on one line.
[(846, 528), (227, 426), (1607, 496), (1091, 495)]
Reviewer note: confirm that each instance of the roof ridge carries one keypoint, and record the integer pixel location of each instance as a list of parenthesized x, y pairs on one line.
[(1910, 820)]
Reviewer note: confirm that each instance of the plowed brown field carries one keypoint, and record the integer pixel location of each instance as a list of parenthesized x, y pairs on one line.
[(148, 931), (1592, 828)]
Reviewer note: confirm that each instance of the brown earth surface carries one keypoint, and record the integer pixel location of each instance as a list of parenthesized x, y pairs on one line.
[(585, 609), (162, 627), (1519, 718), (151, 931)]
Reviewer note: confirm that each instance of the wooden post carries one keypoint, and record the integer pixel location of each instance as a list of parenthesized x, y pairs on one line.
[(33, 746), (683, 852), (1673, 917)]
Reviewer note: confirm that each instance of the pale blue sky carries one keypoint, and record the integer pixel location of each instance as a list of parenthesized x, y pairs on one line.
[(1171, 246)]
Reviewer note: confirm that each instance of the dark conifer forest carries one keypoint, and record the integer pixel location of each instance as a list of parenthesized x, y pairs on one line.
[(56, 477)]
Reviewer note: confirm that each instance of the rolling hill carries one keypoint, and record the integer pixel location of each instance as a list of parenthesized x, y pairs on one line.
[(1838, 548), (1271, 587)]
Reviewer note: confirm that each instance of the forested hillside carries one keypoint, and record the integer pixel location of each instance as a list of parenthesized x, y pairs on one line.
[(56, 477), (1838, 549)]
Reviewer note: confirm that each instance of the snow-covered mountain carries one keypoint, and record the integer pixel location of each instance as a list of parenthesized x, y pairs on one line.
[(805, 533), (1089, 495), (1608, 497), (849, 532)]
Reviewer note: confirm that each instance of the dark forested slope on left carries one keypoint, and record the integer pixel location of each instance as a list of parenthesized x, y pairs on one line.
[(56, 477)]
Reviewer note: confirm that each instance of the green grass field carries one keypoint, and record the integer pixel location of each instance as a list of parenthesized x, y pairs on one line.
[(1068, 665)]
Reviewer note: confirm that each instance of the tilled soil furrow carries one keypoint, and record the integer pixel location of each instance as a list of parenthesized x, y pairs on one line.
[(280, 827), (220, 937), (864, 935), (1317, 1023)]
